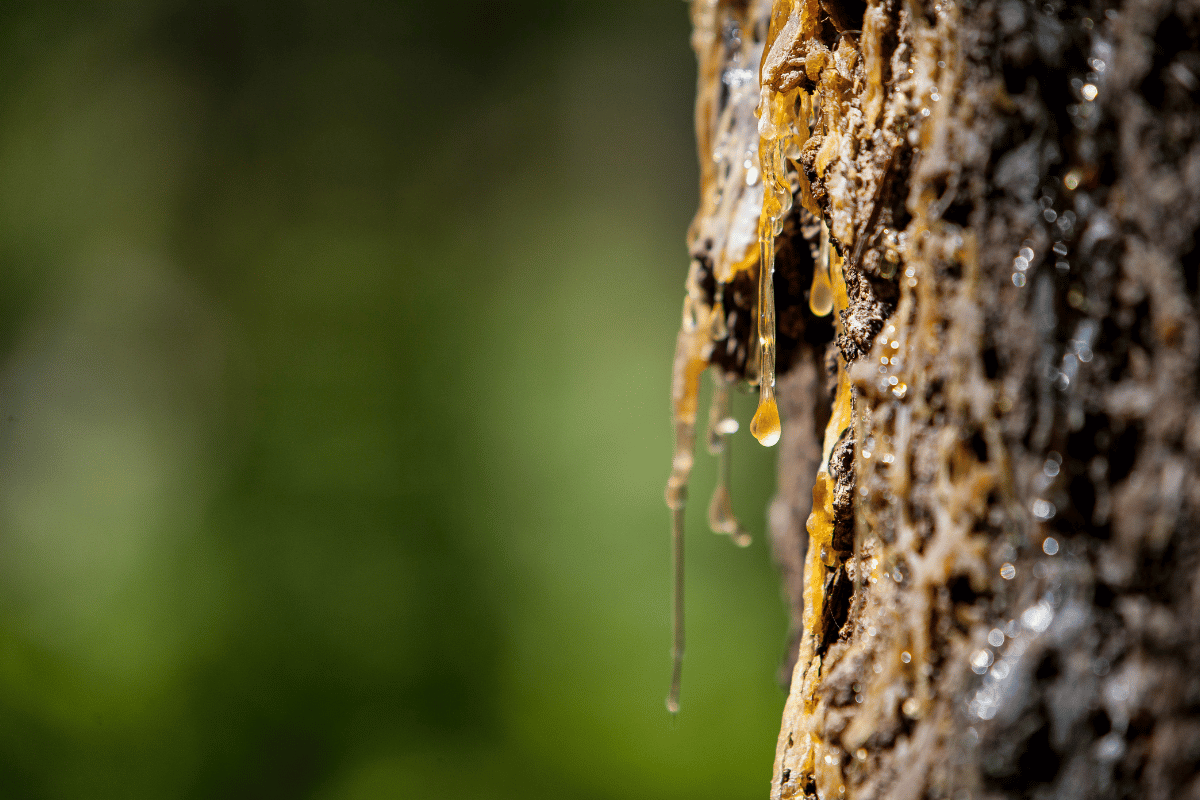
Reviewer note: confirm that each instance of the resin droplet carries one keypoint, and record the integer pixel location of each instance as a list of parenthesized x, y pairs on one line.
[(765, 425), (820, 296)]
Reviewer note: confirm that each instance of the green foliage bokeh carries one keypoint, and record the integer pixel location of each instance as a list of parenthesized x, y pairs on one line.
[(336, 348)]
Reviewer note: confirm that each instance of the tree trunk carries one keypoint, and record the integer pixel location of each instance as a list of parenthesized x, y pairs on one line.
[(988, 517)]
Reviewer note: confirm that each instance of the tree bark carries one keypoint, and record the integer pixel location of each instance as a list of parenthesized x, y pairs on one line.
[(996, 592)]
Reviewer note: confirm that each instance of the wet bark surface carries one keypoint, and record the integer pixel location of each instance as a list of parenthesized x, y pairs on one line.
[(1010, 590)]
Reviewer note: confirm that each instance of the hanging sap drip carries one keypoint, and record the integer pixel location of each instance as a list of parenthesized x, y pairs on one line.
[(766, 426), (685, 391), (777, 202), (720, 426), (820, 297), (719, 329)]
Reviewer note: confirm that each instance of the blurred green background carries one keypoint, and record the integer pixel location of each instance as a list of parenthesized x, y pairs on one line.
[(336, 343)]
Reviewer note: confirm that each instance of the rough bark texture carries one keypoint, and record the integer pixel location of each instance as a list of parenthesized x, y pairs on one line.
[(1002, 598)]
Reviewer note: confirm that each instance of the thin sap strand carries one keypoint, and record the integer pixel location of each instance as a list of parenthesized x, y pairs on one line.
[(685, 389), (765, 425), (820, 297), (720, 425), (677, 645)]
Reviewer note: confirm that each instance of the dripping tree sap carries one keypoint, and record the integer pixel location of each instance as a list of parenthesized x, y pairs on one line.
[(767, 253), (720, 306), (754, 291)]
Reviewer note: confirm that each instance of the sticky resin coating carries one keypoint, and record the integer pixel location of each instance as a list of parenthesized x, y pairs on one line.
[(827, 141)]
